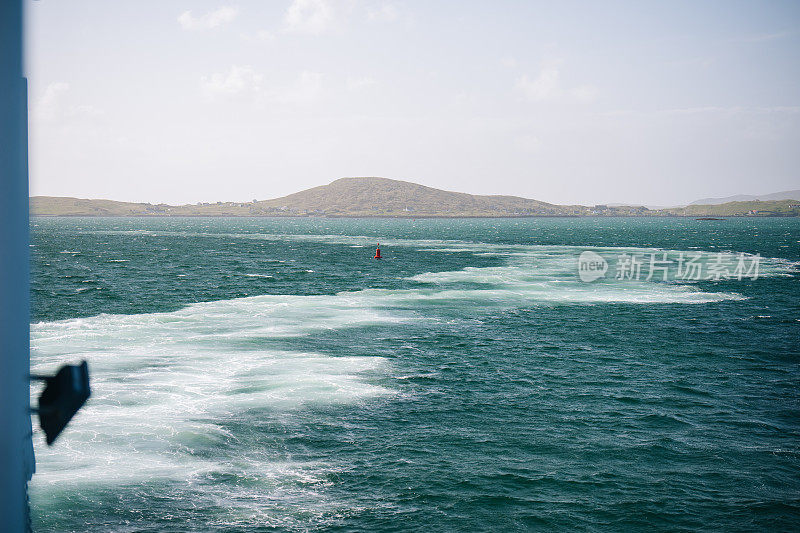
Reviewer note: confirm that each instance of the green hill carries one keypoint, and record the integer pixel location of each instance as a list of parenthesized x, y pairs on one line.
[(341, 198), (383, 197), (386, 197)]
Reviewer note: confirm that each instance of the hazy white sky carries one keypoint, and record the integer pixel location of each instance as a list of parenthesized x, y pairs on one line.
[(570, 102)]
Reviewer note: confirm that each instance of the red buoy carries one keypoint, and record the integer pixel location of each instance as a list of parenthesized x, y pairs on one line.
[(378, 252)]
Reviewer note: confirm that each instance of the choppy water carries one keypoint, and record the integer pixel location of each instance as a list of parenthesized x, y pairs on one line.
[(258, 374)]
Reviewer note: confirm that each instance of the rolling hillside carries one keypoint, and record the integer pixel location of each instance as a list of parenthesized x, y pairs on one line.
[(738, 209), (343, 197), (383, 197)]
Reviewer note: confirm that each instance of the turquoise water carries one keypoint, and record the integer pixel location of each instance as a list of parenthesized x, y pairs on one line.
[(260, 374)]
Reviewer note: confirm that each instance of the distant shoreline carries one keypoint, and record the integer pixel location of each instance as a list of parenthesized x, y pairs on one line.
[(402, 217), (387, 198)]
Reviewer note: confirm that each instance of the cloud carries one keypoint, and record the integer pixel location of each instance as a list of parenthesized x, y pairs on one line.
[(242, 82), (52, 105), (544, 87), (239, 80), (47, 107), (86, 110), (210, 20), (547, 87), (385, 13), (309, 16)]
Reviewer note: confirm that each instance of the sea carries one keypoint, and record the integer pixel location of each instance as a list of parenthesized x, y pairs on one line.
[(550, 374)]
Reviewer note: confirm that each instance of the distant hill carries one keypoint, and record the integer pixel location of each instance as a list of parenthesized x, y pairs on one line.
[(789, 208), (784, 195), (383, 197), (345, 197)]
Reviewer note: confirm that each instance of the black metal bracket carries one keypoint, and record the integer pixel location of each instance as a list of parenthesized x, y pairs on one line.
[(64, 394)]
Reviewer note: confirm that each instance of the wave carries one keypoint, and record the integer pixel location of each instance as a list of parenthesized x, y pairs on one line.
[(168, 386), (166, 376), (549, 274), (770, 266), (167, 383)]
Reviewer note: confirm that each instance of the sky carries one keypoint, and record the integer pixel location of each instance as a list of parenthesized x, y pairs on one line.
[(175, 101)]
